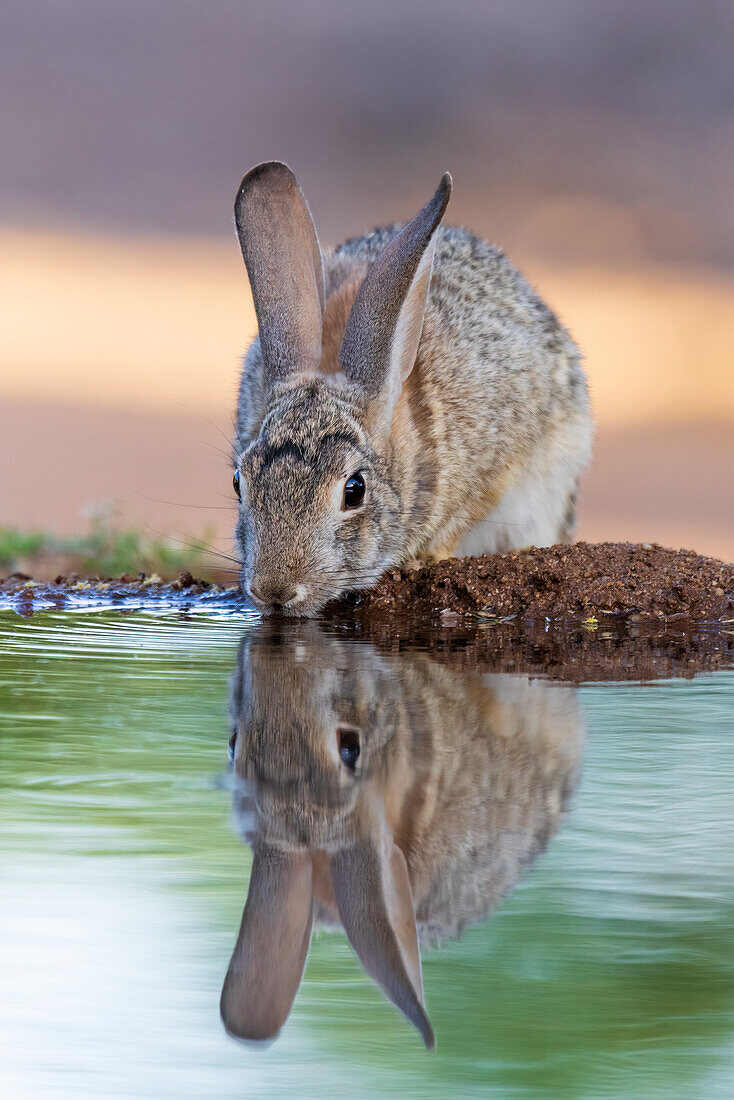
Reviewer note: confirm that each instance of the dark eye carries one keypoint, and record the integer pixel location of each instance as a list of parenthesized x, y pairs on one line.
[(236, 484), (354, 491), (348, 741)]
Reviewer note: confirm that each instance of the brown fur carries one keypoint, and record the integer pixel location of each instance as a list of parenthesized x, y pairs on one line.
[(474, 442), (336, 314)]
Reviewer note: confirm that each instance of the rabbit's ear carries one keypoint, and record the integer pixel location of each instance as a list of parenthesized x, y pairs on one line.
[(375, 904), (270, 954), (384, 326), (286, 271)]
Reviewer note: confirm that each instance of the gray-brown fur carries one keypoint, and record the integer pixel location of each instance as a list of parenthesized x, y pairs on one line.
[(466, 775), (283, 260), (365, 349), (479, 448)]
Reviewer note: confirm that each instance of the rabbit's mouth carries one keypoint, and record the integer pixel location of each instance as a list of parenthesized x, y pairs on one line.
[(307, 600), (287, 600), (298, 600), (301, 609)]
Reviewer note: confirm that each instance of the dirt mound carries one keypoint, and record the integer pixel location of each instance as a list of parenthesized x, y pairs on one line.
[(579, 582)]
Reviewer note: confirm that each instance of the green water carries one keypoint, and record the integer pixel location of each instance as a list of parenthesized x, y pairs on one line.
[(607, 970)]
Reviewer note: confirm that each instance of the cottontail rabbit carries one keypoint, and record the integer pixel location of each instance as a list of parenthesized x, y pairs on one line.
[(393, 796), (409, 397)]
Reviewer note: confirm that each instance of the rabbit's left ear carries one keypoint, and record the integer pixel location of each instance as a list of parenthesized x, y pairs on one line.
[(283, 259), (384, 325), (375, 903)]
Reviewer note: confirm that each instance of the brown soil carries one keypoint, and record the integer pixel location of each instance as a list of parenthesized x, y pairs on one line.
[(607, 580)]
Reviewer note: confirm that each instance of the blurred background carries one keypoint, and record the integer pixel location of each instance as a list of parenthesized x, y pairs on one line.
[(593, 141)]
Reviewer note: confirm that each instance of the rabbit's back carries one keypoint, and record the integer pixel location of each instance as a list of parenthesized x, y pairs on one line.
[(481, 310), (496, 411)]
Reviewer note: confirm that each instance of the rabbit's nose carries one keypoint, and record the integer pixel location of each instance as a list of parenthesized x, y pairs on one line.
[(272, 595)]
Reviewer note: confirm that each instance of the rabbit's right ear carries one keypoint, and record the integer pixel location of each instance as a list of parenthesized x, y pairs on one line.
[(283, 259), (385, 322), (375, 904), (270, 954)]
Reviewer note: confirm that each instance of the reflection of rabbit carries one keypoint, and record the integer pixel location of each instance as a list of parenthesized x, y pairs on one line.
[(392, 795), (409, 397)]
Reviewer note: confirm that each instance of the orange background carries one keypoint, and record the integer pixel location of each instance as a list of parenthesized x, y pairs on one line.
[(596, 146)]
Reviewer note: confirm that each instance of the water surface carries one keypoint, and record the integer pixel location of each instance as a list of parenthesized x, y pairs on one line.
[(576, 927)]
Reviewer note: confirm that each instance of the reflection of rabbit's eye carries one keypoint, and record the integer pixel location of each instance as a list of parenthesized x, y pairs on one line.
[(348, 742), (354, 491), (236, 484), (231, 745)]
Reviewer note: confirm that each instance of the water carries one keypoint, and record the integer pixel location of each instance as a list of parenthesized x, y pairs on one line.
[(582, 839)]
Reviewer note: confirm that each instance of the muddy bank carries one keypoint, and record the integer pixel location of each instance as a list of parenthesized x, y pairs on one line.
[(584, 583), (562, 583), (578, 613), (25, 596)]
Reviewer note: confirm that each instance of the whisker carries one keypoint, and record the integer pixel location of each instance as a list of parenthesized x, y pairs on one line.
[(181, 504), (211, 423), (227, 455), (193, 543)]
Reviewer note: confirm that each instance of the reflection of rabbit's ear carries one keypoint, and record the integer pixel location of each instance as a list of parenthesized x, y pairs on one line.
[(270, 954), (283, 259), (375, 904)]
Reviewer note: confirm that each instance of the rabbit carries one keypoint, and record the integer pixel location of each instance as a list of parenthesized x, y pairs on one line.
[(389, 795), (409, 398)]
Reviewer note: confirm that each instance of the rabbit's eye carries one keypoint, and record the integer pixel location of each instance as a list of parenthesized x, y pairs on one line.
[(354, 491), (236, 484), (348, 741)]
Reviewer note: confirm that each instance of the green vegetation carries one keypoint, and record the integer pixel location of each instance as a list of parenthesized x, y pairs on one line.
[(16, 545), (104, 551)]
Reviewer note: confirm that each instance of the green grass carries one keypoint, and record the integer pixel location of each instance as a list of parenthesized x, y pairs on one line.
[(105, 550), (15, 545)]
